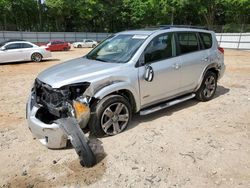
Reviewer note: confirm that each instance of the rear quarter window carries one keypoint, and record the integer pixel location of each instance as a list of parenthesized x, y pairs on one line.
[(206, 39)]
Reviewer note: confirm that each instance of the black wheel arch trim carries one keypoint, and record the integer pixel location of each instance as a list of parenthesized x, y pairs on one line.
[(212, 66)]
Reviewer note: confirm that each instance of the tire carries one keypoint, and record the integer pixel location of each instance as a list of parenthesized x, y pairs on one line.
[(79, 46), (110, 116), (78, 140), (87, 157), (208, 87), (93, 46), (36, 57)]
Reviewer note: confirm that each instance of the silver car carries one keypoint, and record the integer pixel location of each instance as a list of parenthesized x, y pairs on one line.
[(14, 51), (139, 71)]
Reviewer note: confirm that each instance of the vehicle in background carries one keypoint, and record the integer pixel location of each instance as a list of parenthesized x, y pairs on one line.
[(19, 50), (87, 43), (58, 46)]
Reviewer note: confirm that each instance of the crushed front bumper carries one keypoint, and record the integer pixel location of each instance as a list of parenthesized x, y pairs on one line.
[(50, 135)]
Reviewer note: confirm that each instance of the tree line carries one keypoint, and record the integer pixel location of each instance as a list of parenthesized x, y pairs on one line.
[(117, 15)]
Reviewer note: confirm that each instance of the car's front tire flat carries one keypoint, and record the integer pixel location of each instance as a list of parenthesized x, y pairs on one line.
[(110, 116)]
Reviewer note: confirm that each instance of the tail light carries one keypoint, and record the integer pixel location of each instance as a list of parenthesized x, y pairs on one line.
[(221, 49), (69, 44), (47, 49)]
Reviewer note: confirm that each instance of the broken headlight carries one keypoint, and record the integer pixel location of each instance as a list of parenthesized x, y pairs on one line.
[(76, 90), (57, 100)]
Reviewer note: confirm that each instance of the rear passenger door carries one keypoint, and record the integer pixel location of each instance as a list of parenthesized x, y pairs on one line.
[(26, 51), (193, 59)]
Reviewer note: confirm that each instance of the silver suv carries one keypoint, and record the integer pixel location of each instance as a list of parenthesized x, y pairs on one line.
[(133, 71)]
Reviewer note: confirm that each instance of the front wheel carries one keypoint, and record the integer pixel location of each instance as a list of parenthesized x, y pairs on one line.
[(111, 116), (208, 87), (36, 57)]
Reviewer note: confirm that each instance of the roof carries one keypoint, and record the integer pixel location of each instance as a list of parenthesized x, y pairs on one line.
[(151, 30), (11, 40), (14, 41)]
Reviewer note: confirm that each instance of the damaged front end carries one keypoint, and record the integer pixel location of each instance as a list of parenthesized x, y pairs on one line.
[(67, 101), (57, 115)]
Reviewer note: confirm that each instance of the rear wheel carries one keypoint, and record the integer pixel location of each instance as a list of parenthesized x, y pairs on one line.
[(36, 57), (208, 87), (111, 116), (93, 46)]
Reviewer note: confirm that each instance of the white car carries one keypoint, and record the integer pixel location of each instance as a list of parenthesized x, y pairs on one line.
[(22, 51), (88, 43)]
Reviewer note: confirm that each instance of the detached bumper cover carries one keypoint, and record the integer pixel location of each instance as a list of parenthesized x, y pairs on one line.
[(55, 135), (50, 135)]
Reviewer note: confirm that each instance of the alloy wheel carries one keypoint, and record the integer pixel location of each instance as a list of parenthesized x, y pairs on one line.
[(115, 118), (210, 86)]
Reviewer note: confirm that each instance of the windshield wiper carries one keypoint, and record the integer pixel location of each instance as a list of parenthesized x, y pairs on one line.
[(100, 60)]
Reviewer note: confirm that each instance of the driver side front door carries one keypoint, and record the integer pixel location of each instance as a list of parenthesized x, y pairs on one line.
[(12, 53), (160, 55)]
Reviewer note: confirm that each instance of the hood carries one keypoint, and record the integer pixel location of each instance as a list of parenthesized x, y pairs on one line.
[(76, 71)]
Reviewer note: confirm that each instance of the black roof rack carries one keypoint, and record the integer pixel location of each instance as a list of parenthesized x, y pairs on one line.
[(182, 26)]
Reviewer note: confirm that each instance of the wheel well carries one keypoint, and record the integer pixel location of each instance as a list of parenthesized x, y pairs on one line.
[(128, 95), (214, 70), (36, 53)]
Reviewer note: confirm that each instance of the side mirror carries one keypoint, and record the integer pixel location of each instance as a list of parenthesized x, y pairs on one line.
[(149, 73)]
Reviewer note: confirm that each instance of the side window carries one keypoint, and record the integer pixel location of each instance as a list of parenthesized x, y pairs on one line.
[(206, 39), (159, 48), (89, 41), (25, 45), (188, 42), (13, 46)]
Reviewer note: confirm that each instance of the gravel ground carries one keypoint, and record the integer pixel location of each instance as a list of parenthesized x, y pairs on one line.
[(193, 144)]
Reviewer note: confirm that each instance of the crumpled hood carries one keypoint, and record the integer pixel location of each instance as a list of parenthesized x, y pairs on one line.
[(76, 71)]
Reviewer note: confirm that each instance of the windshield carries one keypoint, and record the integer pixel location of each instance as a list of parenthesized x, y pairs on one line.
[(117, 49)]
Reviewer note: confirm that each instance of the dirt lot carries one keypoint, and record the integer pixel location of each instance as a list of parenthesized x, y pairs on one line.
[(192, 144)]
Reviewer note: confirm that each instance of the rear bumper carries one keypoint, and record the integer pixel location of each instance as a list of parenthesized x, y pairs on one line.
[(222, 71), (50, 135), (47, 54)]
